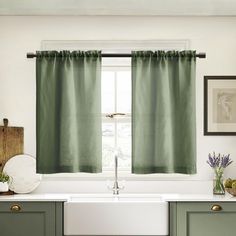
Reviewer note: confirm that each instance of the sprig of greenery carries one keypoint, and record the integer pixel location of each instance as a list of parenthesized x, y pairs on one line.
[(4, 177)]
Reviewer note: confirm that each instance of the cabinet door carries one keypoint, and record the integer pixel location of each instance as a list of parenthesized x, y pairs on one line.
[(206, 219), (27, 219)]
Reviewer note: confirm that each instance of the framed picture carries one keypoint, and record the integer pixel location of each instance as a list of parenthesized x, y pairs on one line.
[(219, 105)]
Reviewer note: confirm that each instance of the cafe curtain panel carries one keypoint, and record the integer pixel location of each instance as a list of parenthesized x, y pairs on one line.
[(163, 112), (68, 111)]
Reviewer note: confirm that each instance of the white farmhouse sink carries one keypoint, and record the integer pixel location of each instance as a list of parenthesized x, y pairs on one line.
[(127, 214)]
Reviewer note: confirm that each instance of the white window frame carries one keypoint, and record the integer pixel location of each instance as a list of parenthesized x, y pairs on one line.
[(116, 46)]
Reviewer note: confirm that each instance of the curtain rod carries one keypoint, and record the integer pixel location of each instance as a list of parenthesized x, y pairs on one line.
[(199, 55)]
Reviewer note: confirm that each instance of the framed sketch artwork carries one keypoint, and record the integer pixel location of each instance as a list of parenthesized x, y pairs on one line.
[(220, 105)]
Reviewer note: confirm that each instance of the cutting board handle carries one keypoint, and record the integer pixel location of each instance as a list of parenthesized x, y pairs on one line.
[(5, 122)]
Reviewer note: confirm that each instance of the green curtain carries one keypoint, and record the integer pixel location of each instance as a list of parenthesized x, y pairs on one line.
[(68, 111), (163, 112)]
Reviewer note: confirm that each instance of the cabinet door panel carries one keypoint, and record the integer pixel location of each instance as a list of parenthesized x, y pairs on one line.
[(21, 224), (37, 219), (208, 224), (194, 219)]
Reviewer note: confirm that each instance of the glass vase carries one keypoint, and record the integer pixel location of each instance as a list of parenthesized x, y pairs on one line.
[(218, 186)]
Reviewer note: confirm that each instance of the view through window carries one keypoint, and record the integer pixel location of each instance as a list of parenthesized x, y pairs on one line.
[(116, 132)]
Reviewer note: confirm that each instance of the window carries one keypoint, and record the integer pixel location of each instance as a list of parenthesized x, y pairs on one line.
[(116, 131)]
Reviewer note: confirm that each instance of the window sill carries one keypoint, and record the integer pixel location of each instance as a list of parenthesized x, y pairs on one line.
[(122, 175)]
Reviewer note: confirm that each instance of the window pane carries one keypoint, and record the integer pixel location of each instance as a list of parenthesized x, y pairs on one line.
[(108, 91), (124, 91), (108, 144), (116, 132), (124, 144)]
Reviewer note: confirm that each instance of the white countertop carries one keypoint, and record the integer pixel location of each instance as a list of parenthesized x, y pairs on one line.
[(35, 197), (199, 198), (166, 197)]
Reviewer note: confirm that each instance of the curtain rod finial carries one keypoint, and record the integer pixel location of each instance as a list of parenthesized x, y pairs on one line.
[(202, 55), (30, 55)]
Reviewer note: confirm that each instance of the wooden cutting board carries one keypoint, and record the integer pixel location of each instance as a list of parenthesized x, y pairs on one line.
[(11, 142)]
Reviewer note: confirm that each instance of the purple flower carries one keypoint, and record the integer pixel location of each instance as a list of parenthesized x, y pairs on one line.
[(225, 161), (219, 161)]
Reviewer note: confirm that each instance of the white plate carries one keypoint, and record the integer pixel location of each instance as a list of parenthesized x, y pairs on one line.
[(22, 171)]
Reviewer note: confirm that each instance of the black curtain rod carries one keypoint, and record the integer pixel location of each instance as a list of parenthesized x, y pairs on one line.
[(199, 55)]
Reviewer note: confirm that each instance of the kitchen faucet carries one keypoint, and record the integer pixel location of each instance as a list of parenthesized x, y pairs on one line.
[(116, 188)]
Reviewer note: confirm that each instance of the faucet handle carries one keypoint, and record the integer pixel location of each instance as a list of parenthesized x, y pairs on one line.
[(115, 186), (109, 185), (122, 184)]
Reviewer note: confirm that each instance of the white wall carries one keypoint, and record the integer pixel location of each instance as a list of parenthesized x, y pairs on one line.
[(19, 35)]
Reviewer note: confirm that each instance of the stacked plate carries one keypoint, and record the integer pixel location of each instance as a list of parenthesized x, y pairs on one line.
[(22, 172)]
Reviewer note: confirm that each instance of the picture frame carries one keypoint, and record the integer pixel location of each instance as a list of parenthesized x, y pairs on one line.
[(220, 105)]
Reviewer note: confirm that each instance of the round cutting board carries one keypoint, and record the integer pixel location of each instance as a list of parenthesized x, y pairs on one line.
[(22, 172)]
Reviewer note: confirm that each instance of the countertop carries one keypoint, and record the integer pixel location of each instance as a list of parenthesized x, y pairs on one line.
[(199, 198), (165, 197), (35, 197)]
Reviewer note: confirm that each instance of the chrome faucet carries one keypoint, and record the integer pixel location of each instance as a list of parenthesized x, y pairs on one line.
[(116, 188)]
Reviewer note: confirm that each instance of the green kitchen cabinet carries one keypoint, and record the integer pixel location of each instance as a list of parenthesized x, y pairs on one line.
[(202, 219), (31, 219)]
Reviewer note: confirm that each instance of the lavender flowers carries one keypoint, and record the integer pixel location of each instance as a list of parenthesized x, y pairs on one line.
[(219, 162)]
